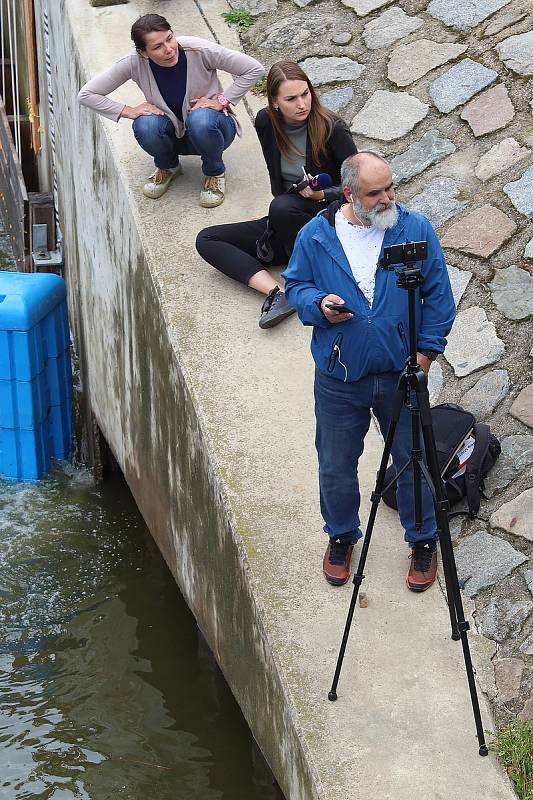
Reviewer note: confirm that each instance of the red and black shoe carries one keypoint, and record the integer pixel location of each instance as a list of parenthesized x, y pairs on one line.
[(336, 564), (423, 568)]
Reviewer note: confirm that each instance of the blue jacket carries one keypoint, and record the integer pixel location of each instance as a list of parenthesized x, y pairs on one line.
[(375, 339)]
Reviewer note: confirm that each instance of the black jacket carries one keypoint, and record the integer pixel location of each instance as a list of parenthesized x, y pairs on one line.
[(339, 146)]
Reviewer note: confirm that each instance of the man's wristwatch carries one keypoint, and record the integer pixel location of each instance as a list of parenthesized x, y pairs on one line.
[(431, 354), (224, 102)]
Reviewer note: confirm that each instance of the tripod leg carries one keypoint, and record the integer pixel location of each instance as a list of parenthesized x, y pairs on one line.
[(448, 558), (416, 456), (375, 498)]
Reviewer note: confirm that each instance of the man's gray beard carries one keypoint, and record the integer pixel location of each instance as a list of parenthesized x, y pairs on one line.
[(377, 219)]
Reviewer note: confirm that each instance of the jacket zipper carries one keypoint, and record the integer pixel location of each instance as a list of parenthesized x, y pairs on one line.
[(336, 356), (403, 337)]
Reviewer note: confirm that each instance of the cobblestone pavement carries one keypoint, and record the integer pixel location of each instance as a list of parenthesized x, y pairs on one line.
[(443, 90)]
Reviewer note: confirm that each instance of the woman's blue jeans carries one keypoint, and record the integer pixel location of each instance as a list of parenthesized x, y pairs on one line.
[(342, 420), (208, 133)]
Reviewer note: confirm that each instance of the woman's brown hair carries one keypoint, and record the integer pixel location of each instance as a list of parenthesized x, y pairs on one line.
[(147, 24), (320, 121)]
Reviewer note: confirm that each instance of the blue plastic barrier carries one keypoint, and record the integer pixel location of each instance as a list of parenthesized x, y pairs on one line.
[(35, 374)]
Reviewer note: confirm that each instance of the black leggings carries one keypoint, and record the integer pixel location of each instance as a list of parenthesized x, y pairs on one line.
[(232, 248)]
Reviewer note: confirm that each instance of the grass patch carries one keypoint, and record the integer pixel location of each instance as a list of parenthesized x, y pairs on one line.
[(260, 86), (240, 18), (514, 745)]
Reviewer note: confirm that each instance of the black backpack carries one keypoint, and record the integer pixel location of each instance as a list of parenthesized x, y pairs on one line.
[(453, 426)]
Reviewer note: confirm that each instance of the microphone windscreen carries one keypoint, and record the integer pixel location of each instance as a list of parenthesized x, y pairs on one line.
[(321, 181)]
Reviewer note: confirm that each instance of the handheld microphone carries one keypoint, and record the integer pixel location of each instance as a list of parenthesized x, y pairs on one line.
[(317, 182)]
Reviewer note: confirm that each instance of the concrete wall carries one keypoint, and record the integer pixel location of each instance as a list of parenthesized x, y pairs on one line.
[(142, 400)]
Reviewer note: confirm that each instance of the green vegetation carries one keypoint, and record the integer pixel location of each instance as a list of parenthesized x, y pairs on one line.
[(260, 86), (242, 19), (514, 745)]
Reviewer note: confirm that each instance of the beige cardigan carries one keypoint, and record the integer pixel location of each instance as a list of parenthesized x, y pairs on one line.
[(203, 60)]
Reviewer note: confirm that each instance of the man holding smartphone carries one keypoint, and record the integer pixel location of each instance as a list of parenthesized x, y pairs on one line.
[(360, 345)]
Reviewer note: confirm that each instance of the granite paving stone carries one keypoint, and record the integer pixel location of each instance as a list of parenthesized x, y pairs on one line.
[(430, 149), (295, 31), (487, 394), (522, 407), (464, 14), (342, 38), (528, 575), (481, 232), (483, 559), (364, 7), (459, 83), (411, 61), (527, 649), (520, 192), (472, 342), (437, 201), (337, 99), (516, 52), (255, 7), (331, 69), (459, 279), (512, 292), (392, 25), (516, 516), (490, 111), (435, 382), (503, 21), (503, 618), (389, 115), (528, 252), (508, 676), (516, 455), (527, 711), (500, 158)]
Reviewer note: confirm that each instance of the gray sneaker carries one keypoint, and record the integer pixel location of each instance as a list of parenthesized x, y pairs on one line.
[(275, 309)]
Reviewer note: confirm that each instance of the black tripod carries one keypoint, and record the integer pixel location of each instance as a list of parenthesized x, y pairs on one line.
[(413, 378)]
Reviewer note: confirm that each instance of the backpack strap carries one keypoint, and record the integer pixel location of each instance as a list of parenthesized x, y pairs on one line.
[(474, 467)]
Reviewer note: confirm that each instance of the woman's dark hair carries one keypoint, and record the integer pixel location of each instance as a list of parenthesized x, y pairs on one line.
[(147, 24), (320, 121)]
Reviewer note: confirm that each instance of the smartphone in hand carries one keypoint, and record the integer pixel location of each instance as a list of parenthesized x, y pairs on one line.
[(340, 307)]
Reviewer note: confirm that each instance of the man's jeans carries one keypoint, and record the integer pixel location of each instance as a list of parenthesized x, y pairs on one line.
[(342, 420), (208, 134)]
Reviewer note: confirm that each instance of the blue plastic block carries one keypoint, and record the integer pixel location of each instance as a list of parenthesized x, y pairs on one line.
[(25, 454), (27, 297), (60, 427), (56, 333), (24, 404), (21, 354), (59, 379)]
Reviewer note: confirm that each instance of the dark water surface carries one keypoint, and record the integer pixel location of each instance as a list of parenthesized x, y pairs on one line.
[(107, 689)]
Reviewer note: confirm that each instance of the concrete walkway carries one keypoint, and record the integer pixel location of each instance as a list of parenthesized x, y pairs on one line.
[(403, 726)]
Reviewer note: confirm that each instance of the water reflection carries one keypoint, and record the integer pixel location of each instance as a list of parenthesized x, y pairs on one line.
[(107, 690)]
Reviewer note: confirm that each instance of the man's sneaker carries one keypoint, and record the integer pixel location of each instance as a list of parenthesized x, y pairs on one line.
[(159, 181), (214, 190), (423, 568), (275, 309), (336, 564)]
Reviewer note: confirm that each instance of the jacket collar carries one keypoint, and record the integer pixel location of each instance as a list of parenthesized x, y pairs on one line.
[(326, 236)]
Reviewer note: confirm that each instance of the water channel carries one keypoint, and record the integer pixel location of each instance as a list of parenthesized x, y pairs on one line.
[(107, 688)]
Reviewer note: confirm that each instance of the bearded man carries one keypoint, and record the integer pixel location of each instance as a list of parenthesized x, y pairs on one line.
[(360, 353)]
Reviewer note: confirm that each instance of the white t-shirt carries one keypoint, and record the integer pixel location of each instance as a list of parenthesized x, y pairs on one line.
[(362, 247)]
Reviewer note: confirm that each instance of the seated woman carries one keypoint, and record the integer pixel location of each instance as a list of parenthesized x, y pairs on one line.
[(186, 111), (296, 132)]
